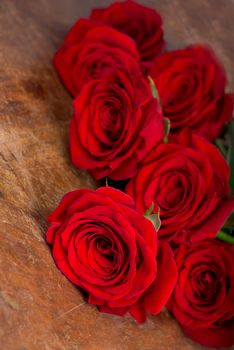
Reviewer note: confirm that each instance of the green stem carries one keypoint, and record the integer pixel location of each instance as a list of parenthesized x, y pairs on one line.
[(223, 236)]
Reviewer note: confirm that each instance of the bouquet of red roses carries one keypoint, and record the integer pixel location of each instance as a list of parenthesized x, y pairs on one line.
[(154, 126)]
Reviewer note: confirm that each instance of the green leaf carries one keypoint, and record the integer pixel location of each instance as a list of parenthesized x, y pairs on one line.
[(221, 147), (154, 90), (230, 222), (231, 158), (167, 126), (154, 218), (155, 94), (149, 211), (223, 236)]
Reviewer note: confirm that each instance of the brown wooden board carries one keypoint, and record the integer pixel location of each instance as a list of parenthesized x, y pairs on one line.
[(40, 308)]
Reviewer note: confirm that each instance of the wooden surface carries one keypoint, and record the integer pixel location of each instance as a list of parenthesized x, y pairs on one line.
[(40, 309)]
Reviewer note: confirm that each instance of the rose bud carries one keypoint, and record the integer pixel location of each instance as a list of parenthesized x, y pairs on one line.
[(187, 179), (203, 299), (116, 122), (191, 85), (141, 23), (91, 50), (104, 245)]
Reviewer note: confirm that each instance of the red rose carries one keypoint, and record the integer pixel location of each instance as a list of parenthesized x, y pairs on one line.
[(191, 84), (141, 23), (109, 249), (188, 180), (90, 50), (203, 299), (116, 122)]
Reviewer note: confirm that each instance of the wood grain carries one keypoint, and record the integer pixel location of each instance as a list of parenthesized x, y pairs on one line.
[(40, 309)]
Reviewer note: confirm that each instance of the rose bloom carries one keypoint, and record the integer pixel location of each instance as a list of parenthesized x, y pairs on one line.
[(90, 50), (142, 24), (203, 299), (191, 85), (115, 123), (105, 246), (187, 179)]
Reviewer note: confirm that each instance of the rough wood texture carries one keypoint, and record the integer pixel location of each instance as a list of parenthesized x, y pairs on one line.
[(40, 309)]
